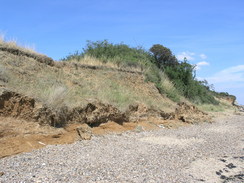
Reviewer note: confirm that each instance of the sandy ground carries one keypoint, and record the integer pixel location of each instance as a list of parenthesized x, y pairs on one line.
[(17, 136), (211, 153)]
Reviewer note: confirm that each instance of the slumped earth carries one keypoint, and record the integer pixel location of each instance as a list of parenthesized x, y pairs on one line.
[(206, 152)]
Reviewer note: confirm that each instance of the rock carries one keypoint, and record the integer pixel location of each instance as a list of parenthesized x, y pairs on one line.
[(190, 114), (161, 126), (84, 132), (139, 128), (241, 108), (1, 174)]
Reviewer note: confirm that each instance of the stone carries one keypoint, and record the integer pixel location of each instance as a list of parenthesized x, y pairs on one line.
[(84, 132), (139, 128)]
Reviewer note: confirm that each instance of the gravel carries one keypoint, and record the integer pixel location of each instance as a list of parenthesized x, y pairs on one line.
[(197, 153)]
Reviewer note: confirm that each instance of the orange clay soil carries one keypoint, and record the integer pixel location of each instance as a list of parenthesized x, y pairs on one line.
[(17, 136)]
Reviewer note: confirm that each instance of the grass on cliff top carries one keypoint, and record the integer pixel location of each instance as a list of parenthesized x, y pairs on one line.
[(13, 44), (13, 48), (158, 66), (67, 85)]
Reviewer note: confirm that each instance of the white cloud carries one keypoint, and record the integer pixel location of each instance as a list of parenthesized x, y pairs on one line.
[(203, 56), (232, 74), (185, 54), (200, 64), (230, 80)]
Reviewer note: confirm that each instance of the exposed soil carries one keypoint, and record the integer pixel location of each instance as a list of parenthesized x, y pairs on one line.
[(18, 135), (38, 57), (26, 124), (15, 105), (197, 153)]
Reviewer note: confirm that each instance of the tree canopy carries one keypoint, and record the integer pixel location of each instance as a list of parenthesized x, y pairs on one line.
[(163, 56)]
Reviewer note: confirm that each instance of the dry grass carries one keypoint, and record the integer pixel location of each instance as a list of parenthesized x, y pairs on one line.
[(76, 86), (13, 44), (166, 83), (169, 89), (70, 86), (87, 60), (211, 108), (91, 61), (222, 107), (12, 47)]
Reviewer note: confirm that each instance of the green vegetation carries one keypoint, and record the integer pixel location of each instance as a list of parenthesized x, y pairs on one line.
[(125, 57), (183, 77), (71, 86), (120, 54), (163, 56), (158, 65)]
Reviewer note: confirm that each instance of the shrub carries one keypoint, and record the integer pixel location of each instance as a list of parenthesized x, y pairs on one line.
[(120, 54), (154, 64), (183, 76)]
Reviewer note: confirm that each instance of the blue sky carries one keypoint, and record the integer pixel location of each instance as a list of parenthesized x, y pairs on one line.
[(209, 33)]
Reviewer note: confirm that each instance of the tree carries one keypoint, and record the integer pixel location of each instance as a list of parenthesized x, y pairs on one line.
[(163, 56)]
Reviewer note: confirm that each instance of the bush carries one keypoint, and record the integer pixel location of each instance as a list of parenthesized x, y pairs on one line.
[(183, 76), (154, 64), (120, 54)]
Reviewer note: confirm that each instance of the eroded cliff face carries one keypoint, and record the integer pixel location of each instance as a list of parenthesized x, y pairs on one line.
[(229, 99), (26, 124), (46, 102), (15, 105), (48, 81)]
